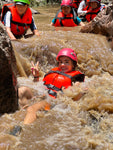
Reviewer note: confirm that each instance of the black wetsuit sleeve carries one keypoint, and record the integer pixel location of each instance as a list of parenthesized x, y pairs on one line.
[(32, 25)]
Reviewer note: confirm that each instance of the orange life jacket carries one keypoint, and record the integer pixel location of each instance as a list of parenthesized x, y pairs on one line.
[(67, 21), (18, 25), (55, 80), (76, 3), (91, 14)]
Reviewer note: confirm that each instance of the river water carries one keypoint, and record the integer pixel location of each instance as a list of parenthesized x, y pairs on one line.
[(85, 124)]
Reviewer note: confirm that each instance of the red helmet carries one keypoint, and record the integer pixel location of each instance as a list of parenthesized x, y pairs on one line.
[(66, 3), (67, 52)]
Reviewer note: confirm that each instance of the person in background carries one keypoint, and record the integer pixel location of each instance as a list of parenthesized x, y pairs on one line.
[(66, 16), (75, 4), (82, 9), (17, 18), (93, 7), (60, 77)]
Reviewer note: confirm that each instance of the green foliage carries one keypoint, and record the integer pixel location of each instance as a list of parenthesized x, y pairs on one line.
[(34, 3), (43, 2)]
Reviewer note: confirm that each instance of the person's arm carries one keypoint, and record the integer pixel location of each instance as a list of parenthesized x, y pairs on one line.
[(53, 22), (11, 35), (35, 71), (31, 111), (34, 28), (80, 23), (7, 23), (80, 10)]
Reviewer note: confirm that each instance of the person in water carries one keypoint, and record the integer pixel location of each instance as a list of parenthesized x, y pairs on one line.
[(17, 18), (66, 16), (60, 77), (93, 7), (82, 9)]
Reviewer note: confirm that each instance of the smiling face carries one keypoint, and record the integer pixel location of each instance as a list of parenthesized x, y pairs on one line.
[(66, 10), (21, 9), (65, 64)]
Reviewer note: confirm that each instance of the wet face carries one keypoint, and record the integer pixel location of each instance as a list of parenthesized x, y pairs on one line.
[(65, 64), (94, 5), (21, 9), (66, 10)]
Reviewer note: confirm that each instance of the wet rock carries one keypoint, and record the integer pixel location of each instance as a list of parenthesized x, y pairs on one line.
[(102, 23), (34, 11), (8, 83), (16, 130)]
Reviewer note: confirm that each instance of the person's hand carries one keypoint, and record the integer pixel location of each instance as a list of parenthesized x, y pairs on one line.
[(51, 24), (36, 33), (13, 39), (43, 105), (76, 84), (84, 13), (35, 70)]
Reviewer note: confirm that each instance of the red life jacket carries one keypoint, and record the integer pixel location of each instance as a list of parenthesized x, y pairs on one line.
[(91, 14), (86, 8), (76, 3), (67, 21), (18, 25), (55, 80)]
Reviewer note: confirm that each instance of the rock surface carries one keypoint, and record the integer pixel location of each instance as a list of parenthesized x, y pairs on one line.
[(101, 24), (34, 11), (8, 83)]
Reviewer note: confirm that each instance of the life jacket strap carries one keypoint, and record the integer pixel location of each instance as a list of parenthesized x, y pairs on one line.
[(17, 29), (76, 3), (64, 17), (20, 24), (60, 20), (50, 86), (93, 12), (52, 93), (59, 72), (74, 16)]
